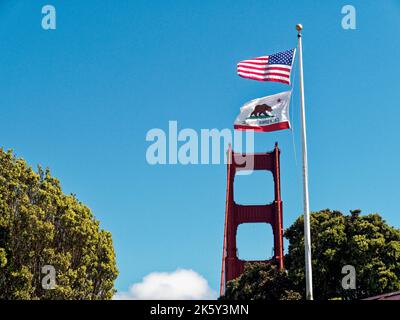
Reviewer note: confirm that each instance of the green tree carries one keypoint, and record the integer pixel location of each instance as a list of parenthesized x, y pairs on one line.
[(40, 225), (367, 243), (261, 281)]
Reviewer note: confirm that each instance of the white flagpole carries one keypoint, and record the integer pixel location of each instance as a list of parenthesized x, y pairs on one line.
[(307, 235)]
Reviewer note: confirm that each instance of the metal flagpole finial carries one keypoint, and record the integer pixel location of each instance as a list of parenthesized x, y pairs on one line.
[(299, 27)]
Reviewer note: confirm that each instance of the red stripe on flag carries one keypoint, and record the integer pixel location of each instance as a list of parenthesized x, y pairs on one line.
[(268, 128), (265, 79), (254, 62), (288, 69), (277, 74), (251, 67), (278, 80)]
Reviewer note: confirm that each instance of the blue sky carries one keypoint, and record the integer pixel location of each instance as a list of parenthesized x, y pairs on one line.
[(80, 100)]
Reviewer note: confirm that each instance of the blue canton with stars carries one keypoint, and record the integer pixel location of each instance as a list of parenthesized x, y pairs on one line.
[(284, 57)]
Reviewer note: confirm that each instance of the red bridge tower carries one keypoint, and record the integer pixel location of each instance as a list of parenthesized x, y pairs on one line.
[(236, 214)]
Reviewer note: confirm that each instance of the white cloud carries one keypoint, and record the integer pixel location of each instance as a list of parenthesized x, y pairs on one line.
[(182, 284)]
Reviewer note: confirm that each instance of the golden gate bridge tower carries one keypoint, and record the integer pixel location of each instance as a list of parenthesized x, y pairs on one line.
[(236, 214)]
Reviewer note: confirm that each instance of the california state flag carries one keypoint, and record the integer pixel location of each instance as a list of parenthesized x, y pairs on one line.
[(265, 114)]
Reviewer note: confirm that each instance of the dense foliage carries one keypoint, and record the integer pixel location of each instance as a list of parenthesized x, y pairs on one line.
[(261, 281), (367, 243), (40, 225)]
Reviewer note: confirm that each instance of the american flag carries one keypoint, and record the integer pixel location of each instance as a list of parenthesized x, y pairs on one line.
[(275, 67)]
